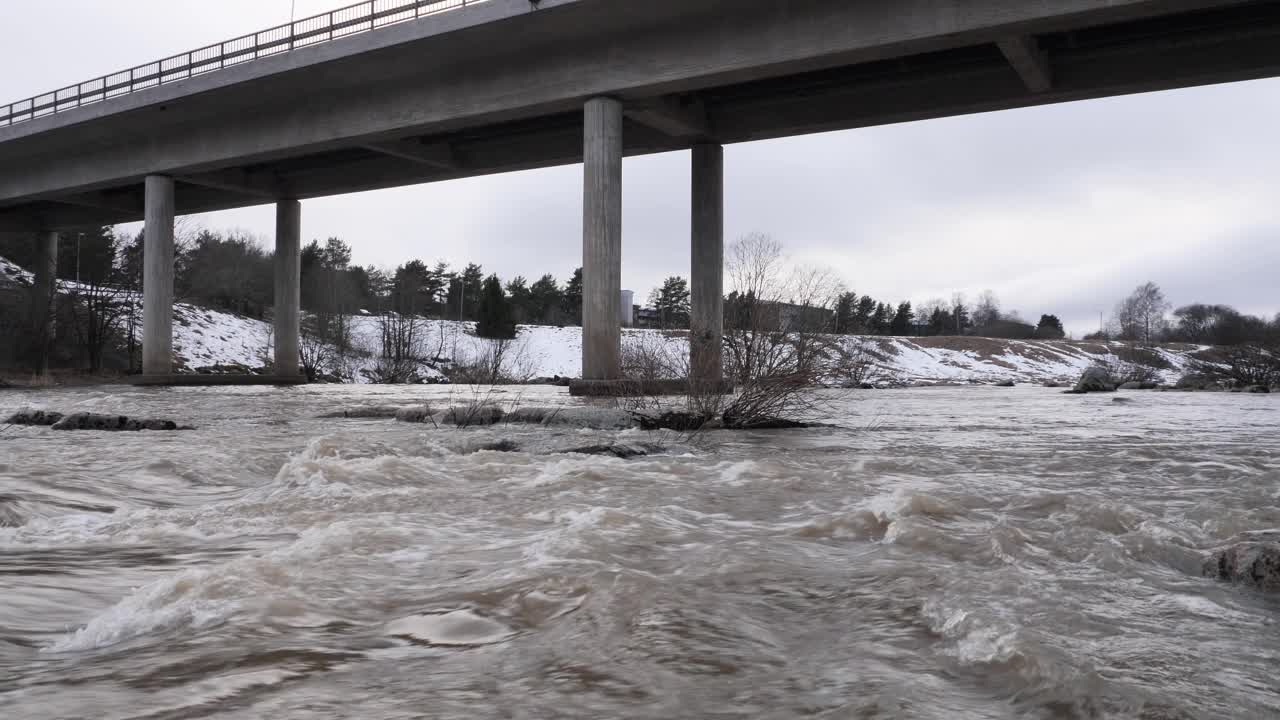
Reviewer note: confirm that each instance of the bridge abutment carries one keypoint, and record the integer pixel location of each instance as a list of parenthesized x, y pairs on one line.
[(157, 277), (706, 287), (288, 288), (602, 240)]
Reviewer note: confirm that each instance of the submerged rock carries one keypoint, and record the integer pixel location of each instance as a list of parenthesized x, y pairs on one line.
[(595, 418), (1258, 389), (1005, 383), (1052, 384), (1095, 379), (416, 414), (112, 423), (678, 421), (1249, 563), (1139, 385), (365, 412), (618, 450), (1197, 381), (34, 417), (473, 415), (503, 445)]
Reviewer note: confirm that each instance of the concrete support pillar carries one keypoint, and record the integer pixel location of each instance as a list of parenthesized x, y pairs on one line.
[(706, 289), (288, 291), (602, 240), (43, 298), (157, 277)]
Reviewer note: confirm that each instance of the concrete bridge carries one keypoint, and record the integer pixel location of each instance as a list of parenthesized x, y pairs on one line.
[(396, 92)]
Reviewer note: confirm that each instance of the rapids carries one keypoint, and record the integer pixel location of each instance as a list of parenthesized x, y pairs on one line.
[(935, 553)]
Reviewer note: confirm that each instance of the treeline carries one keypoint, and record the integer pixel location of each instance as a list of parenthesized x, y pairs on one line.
[(1146, 316)]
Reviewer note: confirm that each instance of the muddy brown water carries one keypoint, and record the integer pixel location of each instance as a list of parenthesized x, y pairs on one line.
[(939, 553)]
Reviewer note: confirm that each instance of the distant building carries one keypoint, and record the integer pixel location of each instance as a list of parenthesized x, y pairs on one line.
[(788, 317), (647, 318), (627, 308)]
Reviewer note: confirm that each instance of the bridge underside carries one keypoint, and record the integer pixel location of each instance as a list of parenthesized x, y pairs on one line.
[(1235, 42), (499, 87)]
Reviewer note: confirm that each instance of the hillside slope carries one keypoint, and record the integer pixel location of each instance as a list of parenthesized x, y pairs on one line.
[(204, 337)]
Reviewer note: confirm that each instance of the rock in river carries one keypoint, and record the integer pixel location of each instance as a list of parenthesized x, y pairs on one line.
[(34, 417), (115, 423), (1095, 379), (1249, 563)]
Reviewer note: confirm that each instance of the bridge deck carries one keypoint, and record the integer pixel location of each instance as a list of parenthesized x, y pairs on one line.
[(499, 85)]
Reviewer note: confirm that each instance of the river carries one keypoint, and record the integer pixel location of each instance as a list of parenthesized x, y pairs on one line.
[(936, 553)]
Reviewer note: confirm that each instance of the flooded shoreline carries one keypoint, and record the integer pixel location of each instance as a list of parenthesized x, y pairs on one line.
[(943, 552)]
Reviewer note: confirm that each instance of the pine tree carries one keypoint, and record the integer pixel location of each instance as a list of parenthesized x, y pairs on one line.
[(493, 312), (862, 315), (1050, 328), (881, 320), (671, 301), (903, 320), (843, 320), (545, 298), (571, 302), (520, 297)]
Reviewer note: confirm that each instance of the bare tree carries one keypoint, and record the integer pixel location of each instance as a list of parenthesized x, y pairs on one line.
[(987, 310), (401, 343), (1143, 316)]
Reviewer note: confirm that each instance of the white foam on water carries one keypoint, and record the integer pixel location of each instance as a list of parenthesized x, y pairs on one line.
[(458, 628)]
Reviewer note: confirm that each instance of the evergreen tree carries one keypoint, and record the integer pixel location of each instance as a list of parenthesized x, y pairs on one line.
[(493, 312), (842, 319), (862, 315), (939, 321), (472, 288), (881, 319), (671, 301), (571, 302), (520, 297), (903, 320), (1050, 328), (545, 299)]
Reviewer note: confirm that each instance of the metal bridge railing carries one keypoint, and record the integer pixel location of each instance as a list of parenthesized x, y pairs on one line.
[(358, 18)]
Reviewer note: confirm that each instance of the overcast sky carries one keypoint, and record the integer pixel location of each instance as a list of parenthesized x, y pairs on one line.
[(1062, 209)]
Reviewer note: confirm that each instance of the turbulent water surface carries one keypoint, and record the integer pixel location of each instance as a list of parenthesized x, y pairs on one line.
[(939, 553)]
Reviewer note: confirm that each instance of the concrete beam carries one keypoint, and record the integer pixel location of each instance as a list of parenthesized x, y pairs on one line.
[(1031, 62), (288, 287), (437, 155), (669, 116), (114, 202), (157, 277), (241, 182), (602, 240)]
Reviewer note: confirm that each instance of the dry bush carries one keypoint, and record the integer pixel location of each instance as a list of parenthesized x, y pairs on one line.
[(498, 362), (1246, 365), (776, 350)]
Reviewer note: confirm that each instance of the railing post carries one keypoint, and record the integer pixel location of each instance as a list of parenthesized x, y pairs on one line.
[(331, 26), (222, 56), (372, 10)]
